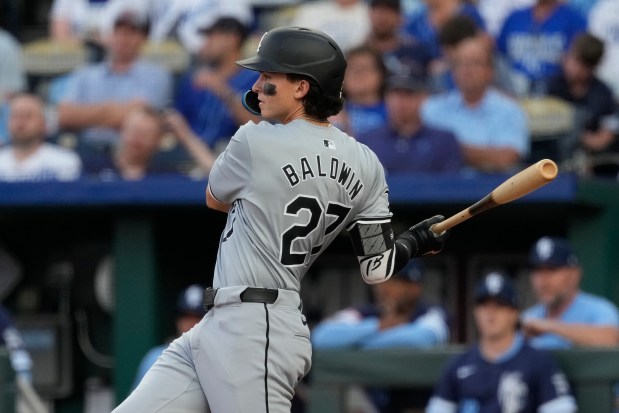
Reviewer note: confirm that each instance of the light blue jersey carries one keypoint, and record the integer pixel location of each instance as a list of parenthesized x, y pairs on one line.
[(585, 308)]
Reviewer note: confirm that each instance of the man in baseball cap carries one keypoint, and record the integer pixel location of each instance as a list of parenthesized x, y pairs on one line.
[(132, 19), (564, 315), (497, 287), (501, 371)]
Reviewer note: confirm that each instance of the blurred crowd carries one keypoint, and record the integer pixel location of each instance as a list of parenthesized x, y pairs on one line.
[(431, 86)]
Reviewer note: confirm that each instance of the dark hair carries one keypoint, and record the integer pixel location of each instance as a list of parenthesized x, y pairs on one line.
[(588, 49), (317, 104), (376, 56), (457, 29)]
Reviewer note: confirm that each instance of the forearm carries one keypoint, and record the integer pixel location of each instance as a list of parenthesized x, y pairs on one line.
[(584, 334), (332, 335), (76, 116), (407, 335), (490, 159)]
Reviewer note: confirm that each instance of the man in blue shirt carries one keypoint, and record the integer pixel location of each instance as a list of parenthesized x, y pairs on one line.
[(565, 316), (398, 319), (534, 39), (207, 95), (490, 127), (405, 144), (99, 96), (501, 373)]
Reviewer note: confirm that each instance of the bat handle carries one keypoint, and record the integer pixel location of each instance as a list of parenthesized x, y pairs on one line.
[(440, 227)]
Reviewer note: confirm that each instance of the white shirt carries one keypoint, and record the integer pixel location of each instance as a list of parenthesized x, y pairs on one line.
[(185, 18), (89, 19), (349, 26), (48, 163)]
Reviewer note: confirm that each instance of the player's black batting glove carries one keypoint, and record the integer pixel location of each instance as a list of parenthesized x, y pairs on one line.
[(422, 239)]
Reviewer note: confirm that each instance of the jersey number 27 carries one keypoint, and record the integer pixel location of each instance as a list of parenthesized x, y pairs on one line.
[(295, 232)]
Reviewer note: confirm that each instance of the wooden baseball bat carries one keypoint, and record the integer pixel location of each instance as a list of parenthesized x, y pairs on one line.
[(525, 181)]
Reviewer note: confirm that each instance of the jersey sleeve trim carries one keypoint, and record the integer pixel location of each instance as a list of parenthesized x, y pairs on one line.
[(383, 220), (562, 404)]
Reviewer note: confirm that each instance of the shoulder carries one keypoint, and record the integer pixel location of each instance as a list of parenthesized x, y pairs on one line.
[(143, 66), (439, 134), (58, 151), (438, 102), (501, 101), (595, 302)]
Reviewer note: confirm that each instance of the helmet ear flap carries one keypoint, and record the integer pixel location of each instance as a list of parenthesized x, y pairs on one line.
[(251, 102)]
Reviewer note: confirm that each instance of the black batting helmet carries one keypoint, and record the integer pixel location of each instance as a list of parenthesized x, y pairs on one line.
[(301, 51)]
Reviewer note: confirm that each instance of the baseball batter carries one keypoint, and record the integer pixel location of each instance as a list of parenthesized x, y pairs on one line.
[(289, 187)]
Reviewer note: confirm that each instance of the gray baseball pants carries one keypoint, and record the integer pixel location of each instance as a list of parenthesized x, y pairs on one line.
[(241, 358)]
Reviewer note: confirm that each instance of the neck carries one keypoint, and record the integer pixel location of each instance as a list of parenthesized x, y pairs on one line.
[(24, 149), (118, 66), (130, 169), (383, 43), (473, 98), (409, 129), (555, 311), (299, 113), (543, 9), (494, 347)]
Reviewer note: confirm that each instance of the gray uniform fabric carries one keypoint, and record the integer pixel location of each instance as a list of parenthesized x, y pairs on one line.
[(293, 188)]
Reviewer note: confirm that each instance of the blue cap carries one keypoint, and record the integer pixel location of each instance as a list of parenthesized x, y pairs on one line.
[(496, 286), (190, 300), (413, 271), (552, 252)]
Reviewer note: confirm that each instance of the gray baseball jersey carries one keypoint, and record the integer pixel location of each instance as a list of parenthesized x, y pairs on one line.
[(292, 188)]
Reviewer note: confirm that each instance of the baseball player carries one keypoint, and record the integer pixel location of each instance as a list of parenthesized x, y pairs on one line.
[(289, 186), (502, 373)]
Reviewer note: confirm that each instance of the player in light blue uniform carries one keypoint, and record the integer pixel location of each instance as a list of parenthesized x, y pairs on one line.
[(502, 373), (565, 316)]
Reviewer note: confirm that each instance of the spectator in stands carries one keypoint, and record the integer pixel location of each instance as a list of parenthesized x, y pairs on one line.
[(100, 96), (184, 20), (593, 100), (87, 21), (501, 372), (189, 311), (208, 95), (399, 50), (604, 23), (490, 127), (494, 12), (565, 316), (346, 21), (364, 84), (534, 39), (426, 26), (141, 137), (398, 319), (12, 77), (29, 157), (405, 144)]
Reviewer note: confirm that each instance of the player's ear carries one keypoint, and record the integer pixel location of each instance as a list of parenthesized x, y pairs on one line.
[(303, 87)]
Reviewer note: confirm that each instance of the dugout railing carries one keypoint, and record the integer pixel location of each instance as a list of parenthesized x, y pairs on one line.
[(593, 373)]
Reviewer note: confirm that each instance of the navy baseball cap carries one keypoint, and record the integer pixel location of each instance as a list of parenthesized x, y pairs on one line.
[(496, 286), (552, 252), (413, 271), (190, 300)]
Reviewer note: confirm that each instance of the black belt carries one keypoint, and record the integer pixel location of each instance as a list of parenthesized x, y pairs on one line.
[(250, 295)]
